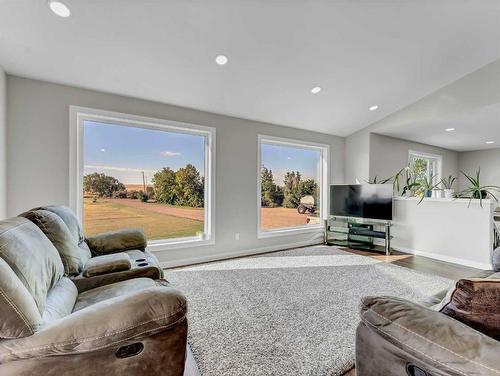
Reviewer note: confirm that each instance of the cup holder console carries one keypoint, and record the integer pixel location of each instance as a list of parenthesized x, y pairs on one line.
[(143, 264)]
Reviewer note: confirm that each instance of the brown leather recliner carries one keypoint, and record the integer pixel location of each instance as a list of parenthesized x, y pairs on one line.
[(132, 327), (97, 260), (398, 337)]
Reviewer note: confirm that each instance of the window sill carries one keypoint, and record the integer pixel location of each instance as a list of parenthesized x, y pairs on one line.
[(179, 243), (289, 231)]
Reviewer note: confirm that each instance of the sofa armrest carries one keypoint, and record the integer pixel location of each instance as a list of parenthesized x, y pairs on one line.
[(111, 263), (102, 325), (117, 241), (395, 334)]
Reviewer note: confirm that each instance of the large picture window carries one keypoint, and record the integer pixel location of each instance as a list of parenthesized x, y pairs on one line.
[(292, 185), (138, 172)]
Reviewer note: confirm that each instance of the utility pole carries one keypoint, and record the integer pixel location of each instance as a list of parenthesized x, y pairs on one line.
[(144, 182)]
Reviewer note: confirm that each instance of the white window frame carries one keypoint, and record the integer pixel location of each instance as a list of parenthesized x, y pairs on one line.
[(430, 157), (80, 114), (324, 150)]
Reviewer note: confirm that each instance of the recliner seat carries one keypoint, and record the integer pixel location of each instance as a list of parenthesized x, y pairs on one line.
[(132, 327), (97, 260)]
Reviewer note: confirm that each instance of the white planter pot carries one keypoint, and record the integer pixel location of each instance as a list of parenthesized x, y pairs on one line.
[(448, 193), (437, 193)]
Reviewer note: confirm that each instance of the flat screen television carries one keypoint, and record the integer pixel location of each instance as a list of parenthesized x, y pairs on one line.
[(371, 201)]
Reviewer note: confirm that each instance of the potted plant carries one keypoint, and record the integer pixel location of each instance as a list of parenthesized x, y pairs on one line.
[(411, 184), (426, 187), (477, 191), (448, 186)]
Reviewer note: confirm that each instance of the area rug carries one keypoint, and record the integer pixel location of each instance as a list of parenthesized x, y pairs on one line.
[(287, 313)]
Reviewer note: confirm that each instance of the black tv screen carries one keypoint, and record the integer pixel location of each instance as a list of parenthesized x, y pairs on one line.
[(373, 201)]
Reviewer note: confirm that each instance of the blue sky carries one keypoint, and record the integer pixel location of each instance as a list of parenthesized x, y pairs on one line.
[(281, 159), (123, 152)]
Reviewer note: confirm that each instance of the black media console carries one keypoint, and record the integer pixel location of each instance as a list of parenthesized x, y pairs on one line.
[(358, 233)]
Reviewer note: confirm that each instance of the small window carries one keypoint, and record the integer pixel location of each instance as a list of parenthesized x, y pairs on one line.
[(291, 185), (425, 167), (154, 175)]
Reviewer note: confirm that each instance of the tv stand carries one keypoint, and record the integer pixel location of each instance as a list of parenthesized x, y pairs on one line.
[(358, 233)]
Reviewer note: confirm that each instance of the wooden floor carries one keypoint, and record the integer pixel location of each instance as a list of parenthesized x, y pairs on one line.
[(420, 263)]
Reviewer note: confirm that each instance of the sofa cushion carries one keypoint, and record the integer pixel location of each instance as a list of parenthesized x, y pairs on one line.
[(59, 234), (31, 268), (115, 262), (60, 301), (18, 309), (31, 256), (73, 224), (476, 303)]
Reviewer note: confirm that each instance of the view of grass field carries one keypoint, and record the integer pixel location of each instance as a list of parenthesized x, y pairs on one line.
[(111, 214), (161, 221)]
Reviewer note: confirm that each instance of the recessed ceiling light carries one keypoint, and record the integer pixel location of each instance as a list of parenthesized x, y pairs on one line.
[(221, 59), (490, 142), (59, 8), (449, 129), (373, 108), (316, 90)]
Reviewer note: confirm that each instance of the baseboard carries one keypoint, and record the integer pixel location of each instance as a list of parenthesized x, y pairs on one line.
[(230, 255), (453, 260)]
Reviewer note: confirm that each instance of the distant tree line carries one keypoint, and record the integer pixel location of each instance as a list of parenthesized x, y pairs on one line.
[(101, 185), (184, 187), (288, 194)]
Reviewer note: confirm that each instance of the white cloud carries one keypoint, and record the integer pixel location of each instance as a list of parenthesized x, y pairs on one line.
[(169, 153), (103, 150), (289, 158), (116, 168)]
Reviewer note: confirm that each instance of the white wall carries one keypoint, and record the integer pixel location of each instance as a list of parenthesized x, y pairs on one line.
[(452, 230), (388, 155), (38, 158), (488, 160), (3, 144)]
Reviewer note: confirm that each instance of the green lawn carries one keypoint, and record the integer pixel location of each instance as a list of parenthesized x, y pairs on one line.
[(105, 215)]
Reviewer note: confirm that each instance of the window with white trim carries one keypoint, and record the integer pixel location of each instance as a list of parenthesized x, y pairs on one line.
[(425, 167), (131, 171), (292, 185)]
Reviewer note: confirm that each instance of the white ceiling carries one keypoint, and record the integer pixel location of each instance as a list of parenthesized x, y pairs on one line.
[(472, 130), (361, 53)]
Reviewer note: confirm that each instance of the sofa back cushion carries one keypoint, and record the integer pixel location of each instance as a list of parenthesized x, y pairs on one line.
[(31, 267), (18, 310), (70, 219), (61, 237), (73, 231)]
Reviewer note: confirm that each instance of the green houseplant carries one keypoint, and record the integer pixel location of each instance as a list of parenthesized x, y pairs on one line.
[(448, 186), (426, 185), (411, 183), (476, 190)]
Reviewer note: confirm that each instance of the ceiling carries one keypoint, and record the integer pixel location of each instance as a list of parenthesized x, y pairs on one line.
[(361, 53), (472, 129)]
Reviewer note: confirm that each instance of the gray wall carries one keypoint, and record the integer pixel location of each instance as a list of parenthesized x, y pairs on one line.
[(488, 160), (38, 158), (388, 155), (3, 144), (357, 158)]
